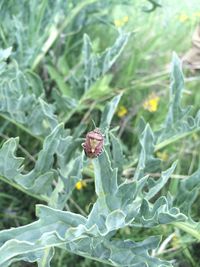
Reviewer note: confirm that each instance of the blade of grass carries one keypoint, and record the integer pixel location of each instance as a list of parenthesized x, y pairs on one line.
[(18, 187)]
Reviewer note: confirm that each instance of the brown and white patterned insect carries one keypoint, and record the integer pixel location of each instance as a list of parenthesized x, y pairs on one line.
[(93, 145)]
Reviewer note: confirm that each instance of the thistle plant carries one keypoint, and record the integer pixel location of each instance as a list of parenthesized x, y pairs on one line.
[(134, 202), (139, 200)]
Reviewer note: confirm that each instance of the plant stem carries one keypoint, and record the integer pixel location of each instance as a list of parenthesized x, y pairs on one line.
[(188, 228), (31, 158), (45, 257), (174, 139), (23, 128), (20, 188)]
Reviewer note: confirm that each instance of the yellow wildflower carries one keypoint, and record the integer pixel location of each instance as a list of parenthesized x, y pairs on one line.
[(118, 23), (183, 17), (122, 111), (125, 19), (163, 155), (175, 241), (195, 136), (121, 22), (151, 104), (80, 185)]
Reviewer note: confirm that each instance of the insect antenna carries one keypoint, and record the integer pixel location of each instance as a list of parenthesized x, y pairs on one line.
[(94, 123)]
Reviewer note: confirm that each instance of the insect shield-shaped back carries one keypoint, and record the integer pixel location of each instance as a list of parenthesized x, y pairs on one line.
[(93, 145)]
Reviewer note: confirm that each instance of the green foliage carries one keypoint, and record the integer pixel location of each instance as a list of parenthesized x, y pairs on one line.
[(52, 83), (22, 99), (188, 191), (178, 122), (38, 181), (77, 234), (96, 66), (117, 205)]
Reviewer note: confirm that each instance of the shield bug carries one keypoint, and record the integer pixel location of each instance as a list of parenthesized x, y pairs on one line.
[(93, 145)]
